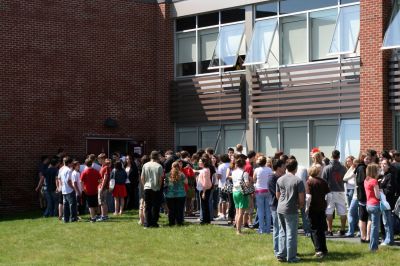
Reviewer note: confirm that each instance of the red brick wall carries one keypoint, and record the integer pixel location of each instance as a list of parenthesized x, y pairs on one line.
[(375, 116), (65, 67)]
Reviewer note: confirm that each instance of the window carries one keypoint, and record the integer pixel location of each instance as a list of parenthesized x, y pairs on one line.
[(295, 141), (186, 57), (349, 1), (187, 137), (185, 23), (227, 48), (268, 139), (207, 20), (267, 10), (235, 135), (345, 38), (211, 138), (392, 35), (294, 39), (348, 141), (232, 15), (322, 26), (261, 42), (291, 6), (207, 42), (324, 135)]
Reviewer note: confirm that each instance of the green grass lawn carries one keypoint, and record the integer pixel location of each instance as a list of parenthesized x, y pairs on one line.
[(122, 241)]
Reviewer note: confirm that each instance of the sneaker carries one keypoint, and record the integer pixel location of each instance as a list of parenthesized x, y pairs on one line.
[(92, 220), (383, 244), (295, 260), (280, 259), (220, 218), (101, 219), (319, 255), (349, 235), (329, 233), (342, 232)]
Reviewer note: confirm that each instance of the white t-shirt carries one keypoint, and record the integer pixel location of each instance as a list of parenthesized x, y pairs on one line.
[(65, 174), (263, 175), (76, 178), (302, 174), (127, 169), (237, 176), (222, 169)]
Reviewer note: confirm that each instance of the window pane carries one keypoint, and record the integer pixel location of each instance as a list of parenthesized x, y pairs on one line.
[(209, 139), (349, 1), (187, 139), (186, 53), (348, 142), (263, 35), (392, 35), (232, 15), (207, 42), (268, 139), (325, 138), (294, 39), (290, 6), (228, 44), (185, 23), (346, 31), (322, 28), (233, 137), (266, 10), (208, 20), (295, 143)]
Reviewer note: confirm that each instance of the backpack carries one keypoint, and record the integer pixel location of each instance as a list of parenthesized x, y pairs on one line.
[(396, 209)]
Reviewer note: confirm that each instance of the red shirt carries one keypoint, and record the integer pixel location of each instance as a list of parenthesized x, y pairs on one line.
[(189, 173), (369, 191), (105, 177), (248, 168), (90, 178)]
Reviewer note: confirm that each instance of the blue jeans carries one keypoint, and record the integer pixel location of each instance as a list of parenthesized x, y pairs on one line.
[(375, 217), (352, 217), (275, 232), (388, 224), (51, 200), (349, 195), (306, 221), (263, 212), (288, 236), (70, 207)]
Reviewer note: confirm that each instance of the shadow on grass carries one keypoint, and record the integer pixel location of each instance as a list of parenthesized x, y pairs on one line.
[(332, 256), (22, 216)]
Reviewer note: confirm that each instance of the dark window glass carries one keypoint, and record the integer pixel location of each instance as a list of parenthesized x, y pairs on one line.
[(266, 10), (185, 23), (232, 15), (187, 69), (239, 64), (208, 19), (290, 6), (349, 1)]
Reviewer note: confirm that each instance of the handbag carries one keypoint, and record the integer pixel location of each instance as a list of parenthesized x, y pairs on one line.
[(228, 187), (383, 204), (247, 189), (112, 184)]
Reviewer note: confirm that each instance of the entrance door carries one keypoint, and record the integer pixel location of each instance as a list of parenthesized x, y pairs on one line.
[(97, 146)]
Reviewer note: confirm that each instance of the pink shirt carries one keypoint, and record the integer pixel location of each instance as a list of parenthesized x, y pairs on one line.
[(369, 191), (204, 179)]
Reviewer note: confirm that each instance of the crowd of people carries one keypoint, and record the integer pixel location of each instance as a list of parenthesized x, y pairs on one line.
[(230, 187)]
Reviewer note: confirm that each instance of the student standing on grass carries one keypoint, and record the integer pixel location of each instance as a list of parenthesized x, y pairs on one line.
[(223, 196), (241, 201), (334, 174), (50, 177), (204, 185), (118, 174), (290, 194), (76, 179), (387, 185), (90, 179), (68, 191), (151, 175), (279, 168), (262, 176), (360, 172), (373, 208), (316, 189), (175, 194), (104, 185)]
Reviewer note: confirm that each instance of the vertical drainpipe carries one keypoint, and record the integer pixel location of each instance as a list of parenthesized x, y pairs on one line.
[(249, 19)]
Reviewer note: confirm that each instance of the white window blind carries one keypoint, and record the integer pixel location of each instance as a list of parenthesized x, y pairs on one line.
[(261, 41), (294, 40), (347, 29), (322, 25), (208, 40), (186, 47)]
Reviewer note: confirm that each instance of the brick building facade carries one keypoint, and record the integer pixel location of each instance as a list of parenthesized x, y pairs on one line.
[(67, 66)]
